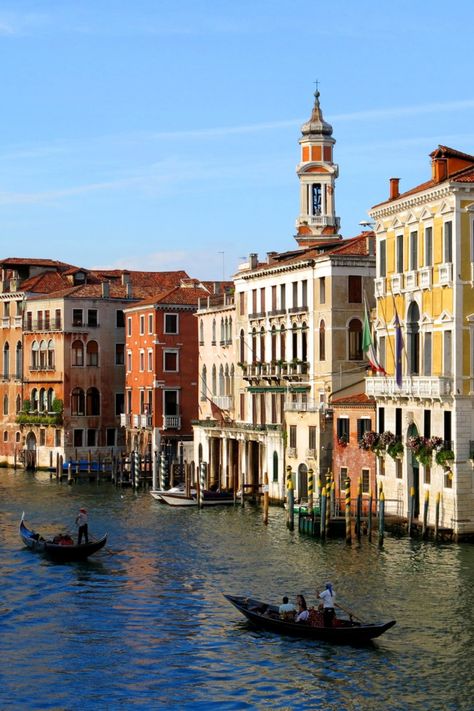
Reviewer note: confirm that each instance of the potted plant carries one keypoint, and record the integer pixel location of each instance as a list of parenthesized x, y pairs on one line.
[(395, 449), (370, 442), (422, 449)]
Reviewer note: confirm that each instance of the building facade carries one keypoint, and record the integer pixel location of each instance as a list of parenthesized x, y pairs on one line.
[(424, 328)]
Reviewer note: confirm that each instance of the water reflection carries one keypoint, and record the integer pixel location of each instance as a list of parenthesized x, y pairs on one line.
[(146, 625)]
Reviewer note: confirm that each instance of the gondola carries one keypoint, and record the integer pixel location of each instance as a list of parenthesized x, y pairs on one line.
[(210, 498), (344, 631), (57, 552)]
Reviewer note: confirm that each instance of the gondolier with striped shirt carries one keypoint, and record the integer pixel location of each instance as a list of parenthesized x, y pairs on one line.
[(81, 523)]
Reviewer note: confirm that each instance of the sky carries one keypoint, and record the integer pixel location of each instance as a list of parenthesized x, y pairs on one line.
[(160, 135)]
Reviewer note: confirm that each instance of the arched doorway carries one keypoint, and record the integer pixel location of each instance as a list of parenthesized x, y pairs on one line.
[(302, 481), (30, 453), (413, 473)]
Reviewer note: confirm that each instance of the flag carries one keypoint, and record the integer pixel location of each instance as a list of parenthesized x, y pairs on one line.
[(217, 412), (368, 345), (398, 350)]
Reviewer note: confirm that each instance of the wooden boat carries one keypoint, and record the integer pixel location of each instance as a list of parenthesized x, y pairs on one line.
[(56, 551), (344, 631), (179, 489), (211, 498)]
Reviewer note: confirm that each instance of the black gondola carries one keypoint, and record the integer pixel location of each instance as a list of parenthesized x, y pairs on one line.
[(343, 631), (56, 551)]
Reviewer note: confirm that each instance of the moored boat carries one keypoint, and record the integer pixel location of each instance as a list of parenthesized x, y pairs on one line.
[(179, 490), (343, 631), (59, 552), (210, 498)]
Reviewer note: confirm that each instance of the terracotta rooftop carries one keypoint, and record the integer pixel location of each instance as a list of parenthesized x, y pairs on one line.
[(360, 399)]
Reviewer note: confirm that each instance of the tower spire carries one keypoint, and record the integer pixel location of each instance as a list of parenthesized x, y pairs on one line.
[(317, 175)]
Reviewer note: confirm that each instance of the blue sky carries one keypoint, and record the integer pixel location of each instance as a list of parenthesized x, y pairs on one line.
[(157, 134)]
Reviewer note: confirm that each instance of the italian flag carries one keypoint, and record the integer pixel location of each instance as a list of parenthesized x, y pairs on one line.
[(368, 345)]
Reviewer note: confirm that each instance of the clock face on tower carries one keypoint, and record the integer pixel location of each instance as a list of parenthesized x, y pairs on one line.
[(316, 198)]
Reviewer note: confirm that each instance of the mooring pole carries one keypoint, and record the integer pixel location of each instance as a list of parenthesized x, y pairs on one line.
[(369, 523), (265, 498), (202, 484), (425, 514), (411, 509), (322, 514), (310, 491), (290, 499), (438, 498), (347, 511), (381, 518), (359, 510)]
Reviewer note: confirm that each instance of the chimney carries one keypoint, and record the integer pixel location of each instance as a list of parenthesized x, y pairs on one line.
[(105, 289), (253, 260), (271, 257), (370, 245), (394, 188), (439, 169)]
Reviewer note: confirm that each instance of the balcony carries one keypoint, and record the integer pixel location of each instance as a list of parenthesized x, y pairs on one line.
[(300, 405), (54, 325), (397, 283), (411, 281), (291, 452), (171, 422), (414, 386), (257, 314), (445, 274), (225, 402), (277, 312), (124, 420), (426, 277), (298, 309), (6, 322), (380, 288)]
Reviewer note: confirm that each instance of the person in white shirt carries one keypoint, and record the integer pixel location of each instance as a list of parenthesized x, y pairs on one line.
[(328, 596), (82, 528), (287, 609)]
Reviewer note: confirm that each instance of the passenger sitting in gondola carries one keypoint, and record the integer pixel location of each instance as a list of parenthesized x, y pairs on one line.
[(302, 612), (287, 610), (63, 539)]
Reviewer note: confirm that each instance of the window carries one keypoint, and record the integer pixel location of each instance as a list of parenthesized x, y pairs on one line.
[(119, 403), (171, 323), (129, 326), (413, 337), (355, 289), (77, 353), (428, 246), (427, 354), (242, 406), (242, 303), (381, 419), (382, 258), (262, 301), (275, 466), (204, 383), (92, 353), (447, 353), (201, 332), (170, 361), (342, 429), (295, 293), (18, 404), (322, 290), (283, 343), (398, 469), (292, 438), (427, 423), (254, 301), (77, 402), (142, 325), (343, 479), (283, 296), (274, 298), (57, 438), (322, 341), (150, 360), (311, 437), (119, 354), (77, 317), (92, 320), (398, 421), (78, 438), (40, 320), (304, 293), (6, 360), (46, 321), (129, 361), (448, 242), (170, 402), (50, 355), (316, 199), (29, 321), (382, 351), (91, 438), (142, 361), (93, 401), (119, 319), (413, 251), (364, 424), (355, 339), (6, 308), (365, 481), (399, 254), (110, 437), (214, 332), (150, 324), (5, 404), (42, 437)]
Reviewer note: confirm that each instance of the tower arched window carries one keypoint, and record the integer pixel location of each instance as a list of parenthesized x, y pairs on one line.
[(78, 402), (322, 341), (78, 353), (6, 360), (355, 339), (92, 353), (18, 360), (93, 402), (316, 199)]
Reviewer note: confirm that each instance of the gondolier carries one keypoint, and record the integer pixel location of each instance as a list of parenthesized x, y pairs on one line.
[(82, 528)]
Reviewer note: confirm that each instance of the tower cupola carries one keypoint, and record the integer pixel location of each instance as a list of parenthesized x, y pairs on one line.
[(317, 175)]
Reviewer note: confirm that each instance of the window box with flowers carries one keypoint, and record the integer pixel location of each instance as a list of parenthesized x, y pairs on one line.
[(371, 442), (395, 449), (445, 457), (343, 440)]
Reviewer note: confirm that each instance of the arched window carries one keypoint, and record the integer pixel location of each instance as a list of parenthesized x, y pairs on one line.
[(304, 342), (275, 466), (222, 330), (254, 345), (43, 355), (92, 353), (283, 343), (242, 346), (18, 360), (413, 339), (34, 400), (18, 403), (322, 341), (5, 404), (221, 381), (213, 331), (262, 345), (50, 399), (201, 332), (355, 339), (294, 341), (229, 331), (226, 380), (6, 360), (78, 353), (78, 402), (273, 344), (35, 355), (51, 358), (43, 403), (204, 383), (214, 380), (93, 402)]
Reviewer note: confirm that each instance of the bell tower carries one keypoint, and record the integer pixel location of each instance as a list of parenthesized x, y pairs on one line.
[(317, 175)]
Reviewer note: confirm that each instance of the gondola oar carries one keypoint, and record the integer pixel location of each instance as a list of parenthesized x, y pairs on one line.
[(351, 614), (106, 548)]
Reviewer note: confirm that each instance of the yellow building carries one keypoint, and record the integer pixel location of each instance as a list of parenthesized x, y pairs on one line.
[(425, 279)]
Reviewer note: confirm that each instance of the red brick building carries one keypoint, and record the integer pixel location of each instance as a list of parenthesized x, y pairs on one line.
[(353, 415)]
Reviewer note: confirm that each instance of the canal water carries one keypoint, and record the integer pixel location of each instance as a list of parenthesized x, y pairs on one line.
[(144, 624)]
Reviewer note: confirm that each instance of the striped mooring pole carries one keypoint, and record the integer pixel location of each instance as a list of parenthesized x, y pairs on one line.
[(202, 483), (162, 470), (290, 499), (359, 509), (310, 491), (322, 513), (348, 510), (425, 514)]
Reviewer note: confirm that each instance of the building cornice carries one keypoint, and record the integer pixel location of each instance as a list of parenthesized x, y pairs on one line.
[(411, 201)]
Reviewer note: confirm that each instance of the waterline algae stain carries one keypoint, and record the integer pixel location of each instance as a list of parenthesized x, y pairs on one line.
[(149, 627)]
